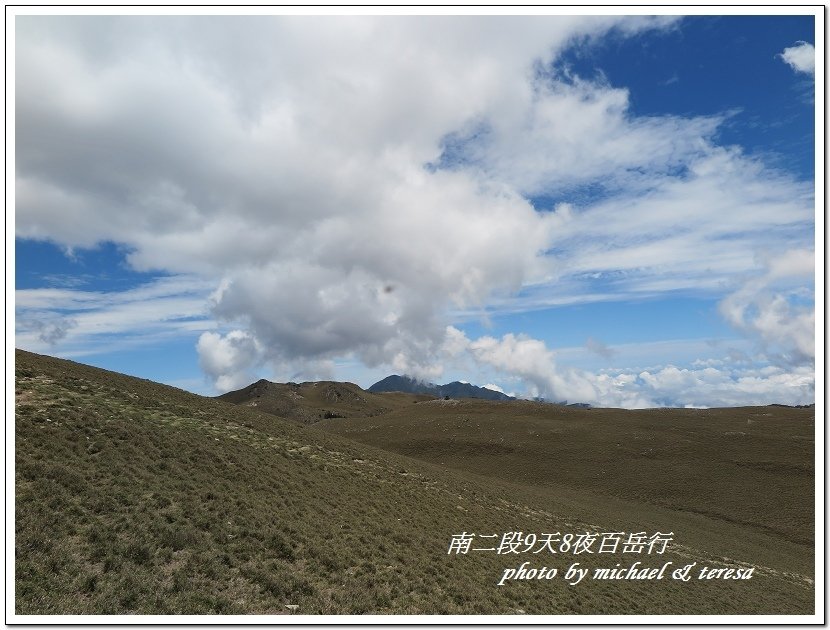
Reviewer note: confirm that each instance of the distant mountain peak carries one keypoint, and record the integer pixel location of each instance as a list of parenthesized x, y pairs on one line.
[(456, 389)]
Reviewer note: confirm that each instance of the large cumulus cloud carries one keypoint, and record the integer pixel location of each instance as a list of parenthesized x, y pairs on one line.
[(288, 157)]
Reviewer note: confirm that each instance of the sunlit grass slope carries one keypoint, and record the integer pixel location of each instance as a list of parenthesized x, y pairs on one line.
[(134, 497)]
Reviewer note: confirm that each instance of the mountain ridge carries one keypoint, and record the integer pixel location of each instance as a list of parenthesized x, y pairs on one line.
[(455, 389), (308, 402), (312, 401)]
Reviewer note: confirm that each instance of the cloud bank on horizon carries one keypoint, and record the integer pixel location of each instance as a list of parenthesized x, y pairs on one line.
[(310, 190)]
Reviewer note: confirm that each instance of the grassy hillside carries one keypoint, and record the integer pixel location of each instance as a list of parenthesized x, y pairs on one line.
[(751, 466), (134, 497)]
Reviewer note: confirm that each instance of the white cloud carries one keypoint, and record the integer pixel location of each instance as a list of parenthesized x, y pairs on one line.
[(728, 385), (692, 232), (729, 380), (801, 57), (712, 387), (771, 306), (229, 359), (75, 323), (531, 360), (550, 143)]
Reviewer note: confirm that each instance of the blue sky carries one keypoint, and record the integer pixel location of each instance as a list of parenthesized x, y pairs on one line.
[(603, 209)]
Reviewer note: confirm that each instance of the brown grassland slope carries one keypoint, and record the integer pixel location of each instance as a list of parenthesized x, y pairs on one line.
[(750, 466), (134, 497)]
